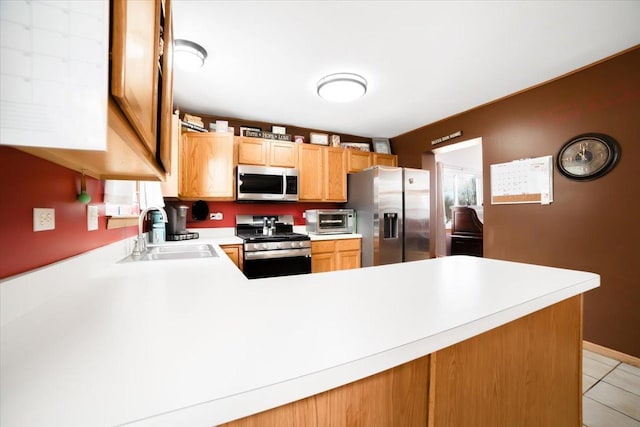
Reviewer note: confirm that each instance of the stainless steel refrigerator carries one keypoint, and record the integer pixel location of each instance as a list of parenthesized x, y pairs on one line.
[(392, 213)]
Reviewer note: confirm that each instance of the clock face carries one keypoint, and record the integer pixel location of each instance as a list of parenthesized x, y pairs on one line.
[(588, 156)]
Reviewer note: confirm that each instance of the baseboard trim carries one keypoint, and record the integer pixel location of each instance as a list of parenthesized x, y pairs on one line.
[(604, 351)]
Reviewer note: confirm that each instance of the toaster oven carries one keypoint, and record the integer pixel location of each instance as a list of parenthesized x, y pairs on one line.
[(330, 221)]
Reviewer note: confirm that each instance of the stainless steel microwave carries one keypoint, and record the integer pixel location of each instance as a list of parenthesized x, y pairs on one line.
[(330, 221), (267, 183)]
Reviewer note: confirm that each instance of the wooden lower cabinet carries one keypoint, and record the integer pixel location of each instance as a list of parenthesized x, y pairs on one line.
[(235, 252), (333, 255), (524, 373)]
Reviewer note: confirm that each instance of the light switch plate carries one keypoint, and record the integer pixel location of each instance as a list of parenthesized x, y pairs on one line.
[(92, 217), (44, 219)]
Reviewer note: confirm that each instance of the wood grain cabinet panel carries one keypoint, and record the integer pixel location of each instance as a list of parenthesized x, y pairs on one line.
[(380, 159), (235, 253), (265, 152), (134, 72), (322, 173), (310, 185), (207, 163), (332, 255), (394, 398), (358, 160)]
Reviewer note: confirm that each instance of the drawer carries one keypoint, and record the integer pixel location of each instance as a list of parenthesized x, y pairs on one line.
[(348, 244), (323, 246)]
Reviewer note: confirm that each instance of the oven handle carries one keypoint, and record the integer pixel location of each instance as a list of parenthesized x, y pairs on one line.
[(278, 253)]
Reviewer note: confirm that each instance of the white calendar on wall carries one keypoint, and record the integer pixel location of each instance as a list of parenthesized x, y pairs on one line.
[(54, 73), (522, 181)]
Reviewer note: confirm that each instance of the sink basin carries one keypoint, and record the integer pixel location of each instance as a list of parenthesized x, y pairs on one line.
[(173, 251)]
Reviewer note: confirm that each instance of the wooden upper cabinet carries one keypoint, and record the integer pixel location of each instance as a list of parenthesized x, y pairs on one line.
[(322, 174), (207, 163), (283, 154), (265, 152), (385, 159), (335, 174), (310, 185), (358, 160), (134, 72)]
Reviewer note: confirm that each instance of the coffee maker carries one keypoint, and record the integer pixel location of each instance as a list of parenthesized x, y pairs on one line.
[(177, 223)]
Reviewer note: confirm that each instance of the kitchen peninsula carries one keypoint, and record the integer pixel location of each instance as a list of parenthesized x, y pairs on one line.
[(442, 342)]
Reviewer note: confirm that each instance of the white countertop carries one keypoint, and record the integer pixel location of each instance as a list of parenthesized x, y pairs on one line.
[(194, 343)]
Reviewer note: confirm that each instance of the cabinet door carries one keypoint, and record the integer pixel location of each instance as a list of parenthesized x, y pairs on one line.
[(134, 73), (234, 252), (283, 154), (323, 262), (358, 160), (335, 177), (310, 173), (252, 151), (207, 166), (385, 159), (348, 254), (169, 123), (170, 185)]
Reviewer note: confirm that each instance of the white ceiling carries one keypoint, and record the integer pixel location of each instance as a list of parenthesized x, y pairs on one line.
[(423, 60)]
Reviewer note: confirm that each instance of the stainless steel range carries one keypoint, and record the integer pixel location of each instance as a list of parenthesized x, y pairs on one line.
[(271, 248)]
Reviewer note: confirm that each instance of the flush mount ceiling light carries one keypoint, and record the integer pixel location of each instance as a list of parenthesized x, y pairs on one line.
[(189, 56), (342, 87)]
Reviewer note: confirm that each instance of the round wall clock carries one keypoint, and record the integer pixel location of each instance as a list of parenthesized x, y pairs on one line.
[(588, 156)]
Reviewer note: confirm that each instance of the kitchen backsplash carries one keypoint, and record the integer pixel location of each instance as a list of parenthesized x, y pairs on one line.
[(229, 211), (29, 182)]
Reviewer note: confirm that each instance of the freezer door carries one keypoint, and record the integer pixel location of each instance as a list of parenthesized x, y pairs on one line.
[(388, 219), (416, 214)]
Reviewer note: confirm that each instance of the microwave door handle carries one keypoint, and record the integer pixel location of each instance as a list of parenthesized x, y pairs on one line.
[(284, 184)]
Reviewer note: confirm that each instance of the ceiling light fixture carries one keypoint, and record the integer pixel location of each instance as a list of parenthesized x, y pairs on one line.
[(342, 87), (189, 56)]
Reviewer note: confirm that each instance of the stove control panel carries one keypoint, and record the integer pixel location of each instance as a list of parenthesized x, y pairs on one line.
[(272, 246)]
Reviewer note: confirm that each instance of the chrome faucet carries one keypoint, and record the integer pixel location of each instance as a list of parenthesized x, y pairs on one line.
[(141, 242)]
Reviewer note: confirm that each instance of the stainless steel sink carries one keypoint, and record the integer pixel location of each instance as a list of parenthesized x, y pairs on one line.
[(175, 251)]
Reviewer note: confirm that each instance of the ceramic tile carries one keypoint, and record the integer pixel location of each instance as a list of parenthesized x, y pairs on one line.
[(623, 380), (600, 358), (616, 398), (587, 382), (629, 368), (595, 368), (595, 414)]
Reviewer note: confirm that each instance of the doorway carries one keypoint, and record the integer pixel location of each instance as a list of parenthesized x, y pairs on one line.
[(458, 183)]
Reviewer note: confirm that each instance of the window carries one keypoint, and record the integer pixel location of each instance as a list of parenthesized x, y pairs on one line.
[(461, 187)]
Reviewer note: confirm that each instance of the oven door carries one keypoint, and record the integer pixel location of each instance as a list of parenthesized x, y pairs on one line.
[(269, 264)]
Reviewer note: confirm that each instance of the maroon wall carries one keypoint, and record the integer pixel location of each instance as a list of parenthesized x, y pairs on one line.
[(592, 226), (28, 182)]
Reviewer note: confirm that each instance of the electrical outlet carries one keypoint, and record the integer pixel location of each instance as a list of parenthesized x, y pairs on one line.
[(92, 217), (215, 216), (44, 219)]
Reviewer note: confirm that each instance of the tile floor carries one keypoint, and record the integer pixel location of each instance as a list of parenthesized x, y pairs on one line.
[(610, 392)]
